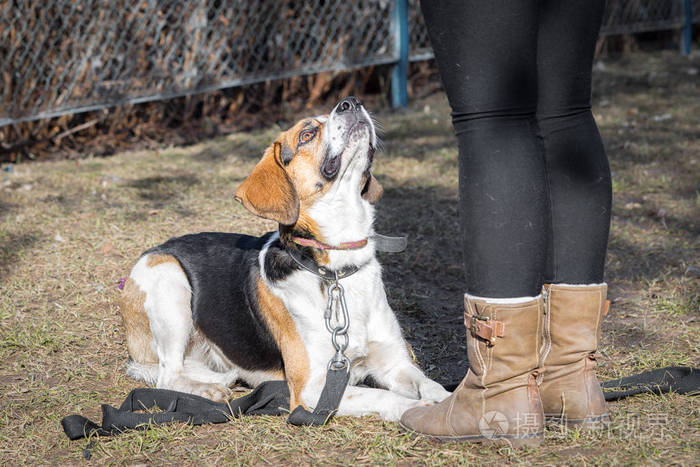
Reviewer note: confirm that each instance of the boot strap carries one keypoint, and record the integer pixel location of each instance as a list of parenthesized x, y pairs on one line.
[(484, 327)]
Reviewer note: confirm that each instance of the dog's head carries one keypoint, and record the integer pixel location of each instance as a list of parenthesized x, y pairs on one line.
[(313, 158)]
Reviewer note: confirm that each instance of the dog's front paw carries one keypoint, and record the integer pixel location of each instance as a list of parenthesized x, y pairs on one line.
[(432, 391), (393, 414)]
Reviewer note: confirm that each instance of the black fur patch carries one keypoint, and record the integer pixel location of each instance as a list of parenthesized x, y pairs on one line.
[(278, 264), (223, 271)]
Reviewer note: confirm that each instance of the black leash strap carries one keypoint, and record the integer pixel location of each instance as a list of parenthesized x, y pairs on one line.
[(272, 398), (678, 379), (328, 403), (269, 398)]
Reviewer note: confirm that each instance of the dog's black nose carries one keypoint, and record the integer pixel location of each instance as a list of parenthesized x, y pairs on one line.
[(348, 104)]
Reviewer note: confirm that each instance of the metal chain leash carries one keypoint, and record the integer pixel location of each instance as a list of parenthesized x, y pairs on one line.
[(337, 308)]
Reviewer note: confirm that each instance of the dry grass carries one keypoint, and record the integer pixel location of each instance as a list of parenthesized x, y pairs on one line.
[(69, 230)]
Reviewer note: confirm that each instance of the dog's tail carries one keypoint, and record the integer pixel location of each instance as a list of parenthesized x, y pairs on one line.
[(146, 372)]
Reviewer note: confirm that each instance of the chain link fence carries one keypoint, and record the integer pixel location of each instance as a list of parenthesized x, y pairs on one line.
[(630, 16), (74, 56), (68, 56)]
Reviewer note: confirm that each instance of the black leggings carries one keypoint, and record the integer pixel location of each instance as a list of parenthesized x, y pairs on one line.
[(534, 180)]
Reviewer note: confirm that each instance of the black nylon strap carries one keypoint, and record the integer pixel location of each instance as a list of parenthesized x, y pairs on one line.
[(678, 379), (311, 266), (328, 403), (269, 398), (272, 398)]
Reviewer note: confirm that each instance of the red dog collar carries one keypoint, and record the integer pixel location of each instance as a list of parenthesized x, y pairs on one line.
[(324, 246)]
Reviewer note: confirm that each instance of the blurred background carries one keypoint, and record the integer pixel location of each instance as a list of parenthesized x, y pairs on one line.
[(88, 78)]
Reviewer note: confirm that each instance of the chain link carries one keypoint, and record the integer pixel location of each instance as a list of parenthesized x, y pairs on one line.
[(337, 310)]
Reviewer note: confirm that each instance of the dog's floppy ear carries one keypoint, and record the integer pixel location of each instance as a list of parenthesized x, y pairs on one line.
[(268, 192), (372, 190)]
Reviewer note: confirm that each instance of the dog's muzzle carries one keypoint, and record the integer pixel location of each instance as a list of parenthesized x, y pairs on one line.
[(352, 118)]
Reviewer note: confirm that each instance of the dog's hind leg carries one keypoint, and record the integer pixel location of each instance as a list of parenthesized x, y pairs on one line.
[(167, 305), (200, 371), (193, 368)]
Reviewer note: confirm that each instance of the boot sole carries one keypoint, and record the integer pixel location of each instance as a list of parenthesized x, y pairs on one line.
[(514, 441), (589, 423)]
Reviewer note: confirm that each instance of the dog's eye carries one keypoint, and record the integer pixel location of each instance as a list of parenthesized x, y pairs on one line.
[(306, 136)]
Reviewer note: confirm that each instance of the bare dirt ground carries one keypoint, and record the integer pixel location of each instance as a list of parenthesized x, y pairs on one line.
[(70, 229)]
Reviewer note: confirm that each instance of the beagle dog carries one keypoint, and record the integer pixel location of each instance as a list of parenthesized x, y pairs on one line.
[(205, 310)]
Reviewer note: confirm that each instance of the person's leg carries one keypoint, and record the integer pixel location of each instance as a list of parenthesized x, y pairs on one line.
[(577, 166), (580, 196), (486, 55), (485, 51)]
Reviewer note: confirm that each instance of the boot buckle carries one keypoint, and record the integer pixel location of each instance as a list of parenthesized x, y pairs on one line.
[(485, 328)]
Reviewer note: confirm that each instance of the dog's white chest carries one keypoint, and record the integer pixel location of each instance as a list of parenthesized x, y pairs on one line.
[(307, 301)]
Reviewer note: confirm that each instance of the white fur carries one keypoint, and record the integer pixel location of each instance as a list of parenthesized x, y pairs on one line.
[(376, 345), (337, 138)]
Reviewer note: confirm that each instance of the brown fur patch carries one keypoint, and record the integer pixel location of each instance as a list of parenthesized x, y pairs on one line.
[(284, 331), (372, 190), (138, 329), (268, 192), (154, 260), (305, 168), (305, 226), (282, 192)]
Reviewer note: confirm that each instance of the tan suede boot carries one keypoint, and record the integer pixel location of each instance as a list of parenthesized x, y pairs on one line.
[(570, 391), (498, 401)]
